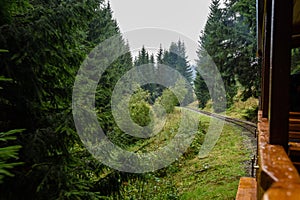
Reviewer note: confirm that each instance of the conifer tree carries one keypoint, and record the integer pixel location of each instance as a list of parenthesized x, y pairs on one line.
[(241, 14), (210, 53), (46, 44), (229, 38), (176, 58)]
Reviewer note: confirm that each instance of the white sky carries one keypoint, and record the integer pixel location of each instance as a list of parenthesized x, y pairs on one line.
[(181, 19)]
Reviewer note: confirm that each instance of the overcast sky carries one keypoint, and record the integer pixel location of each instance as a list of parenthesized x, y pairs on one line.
[(176, 19)]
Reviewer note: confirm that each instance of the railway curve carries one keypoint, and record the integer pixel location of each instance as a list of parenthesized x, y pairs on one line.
[(249, 126), (249, 130)]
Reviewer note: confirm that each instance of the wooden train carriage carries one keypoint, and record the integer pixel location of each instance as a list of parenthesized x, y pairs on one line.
[(277, 177)]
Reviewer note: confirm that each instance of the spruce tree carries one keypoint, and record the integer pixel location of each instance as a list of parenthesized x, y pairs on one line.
[(176, 58), (229, 38), (46, 44), (241, 14), (209, 53)]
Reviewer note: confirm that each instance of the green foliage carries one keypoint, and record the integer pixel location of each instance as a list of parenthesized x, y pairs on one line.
[(177, 59), (168, 100), (212, 178), (201, 90), (209, 47), (229, 38), (8, 153), (242, 15), (148, 186), (189, 177), (143, 57), (251, 114), (46, 43), (139, 107), (295, 66)]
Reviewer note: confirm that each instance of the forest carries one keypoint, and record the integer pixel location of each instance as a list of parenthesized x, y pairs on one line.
[(42, 46)]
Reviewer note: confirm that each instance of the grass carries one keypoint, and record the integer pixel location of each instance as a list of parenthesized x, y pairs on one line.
[(217, 176), (214, 177), (246, 110)]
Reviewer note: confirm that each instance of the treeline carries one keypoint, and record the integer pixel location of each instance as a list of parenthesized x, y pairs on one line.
[(175, 57), (229, 39)]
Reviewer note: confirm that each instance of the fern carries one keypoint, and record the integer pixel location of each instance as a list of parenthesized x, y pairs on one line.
[(8, 153)]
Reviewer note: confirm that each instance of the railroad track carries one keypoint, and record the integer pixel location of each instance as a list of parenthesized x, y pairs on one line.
[(249, 126), (250, 132)]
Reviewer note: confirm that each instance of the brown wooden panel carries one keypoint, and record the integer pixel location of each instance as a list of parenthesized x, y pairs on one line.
[(275, 166), (247, 189), (280, 61), (283, 191), (274, 163)]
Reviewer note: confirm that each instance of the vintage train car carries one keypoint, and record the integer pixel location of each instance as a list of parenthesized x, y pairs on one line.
[(278, 129)]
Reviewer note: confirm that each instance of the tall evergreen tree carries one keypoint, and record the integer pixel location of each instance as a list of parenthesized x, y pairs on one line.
[(210, 52), (229, 38), (241, 14), (201, 90), (46, 44), (176, 57)]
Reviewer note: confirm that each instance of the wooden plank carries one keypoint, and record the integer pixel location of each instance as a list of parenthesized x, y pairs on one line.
[(280, 62), (294, 134), (294, 121), (247, 189), (275, 165), (294, 146), (294, 127), (266, 59), (294, 115)]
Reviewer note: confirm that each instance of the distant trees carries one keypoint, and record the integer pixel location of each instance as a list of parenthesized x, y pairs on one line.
[(175, 57), (229, 39)]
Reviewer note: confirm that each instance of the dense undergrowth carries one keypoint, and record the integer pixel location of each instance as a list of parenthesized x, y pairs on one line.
[(214, 177), (246, 110)]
